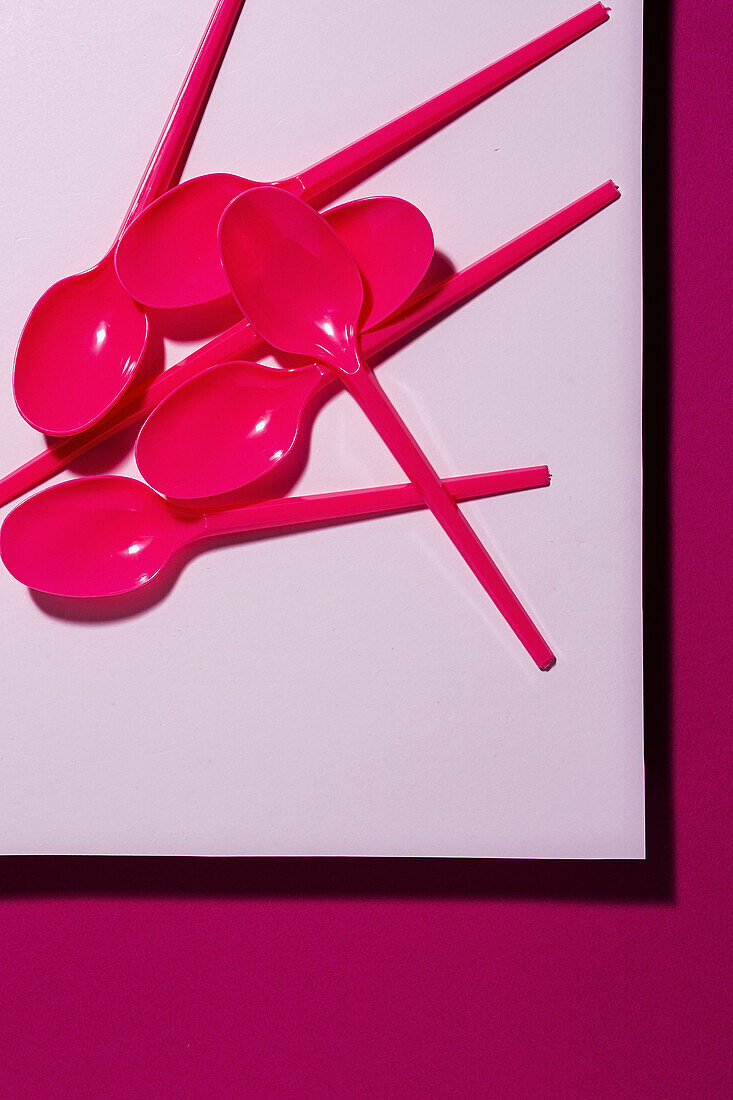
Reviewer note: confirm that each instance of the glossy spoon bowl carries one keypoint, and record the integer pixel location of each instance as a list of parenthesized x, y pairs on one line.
[(78, 351), (169, 259), (106, 536), (225, 429), (85, 338)]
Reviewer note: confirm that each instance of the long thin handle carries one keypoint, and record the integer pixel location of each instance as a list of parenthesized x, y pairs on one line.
[(186, 110), (239, 341), (362, 384), (317, 181), (458, 288), (301, 511)]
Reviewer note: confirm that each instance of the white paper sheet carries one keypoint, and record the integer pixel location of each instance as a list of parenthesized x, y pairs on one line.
[(352, 691)]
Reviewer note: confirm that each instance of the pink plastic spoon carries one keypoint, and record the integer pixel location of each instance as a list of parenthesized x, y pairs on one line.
[(169, 257), (240, 341), (104, 536), (85, 337), (301, 290)]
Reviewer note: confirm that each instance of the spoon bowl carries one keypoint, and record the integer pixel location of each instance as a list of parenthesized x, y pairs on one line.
[(93, 536), (84, 322), (164, 259), (224, 429)]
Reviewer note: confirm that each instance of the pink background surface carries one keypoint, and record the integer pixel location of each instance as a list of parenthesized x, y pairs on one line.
[(176, 978)]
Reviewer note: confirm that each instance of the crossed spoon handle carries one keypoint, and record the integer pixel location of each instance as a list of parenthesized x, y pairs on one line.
[(378, 409)]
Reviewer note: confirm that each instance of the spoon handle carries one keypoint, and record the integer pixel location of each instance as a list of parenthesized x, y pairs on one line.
[(362, 384), (356, 503), (436, 300), (316, 183), (240, 341), (184, 116)]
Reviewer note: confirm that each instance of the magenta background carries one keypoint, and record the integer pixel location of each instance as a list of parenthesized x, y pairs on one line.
[(439, 979)]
